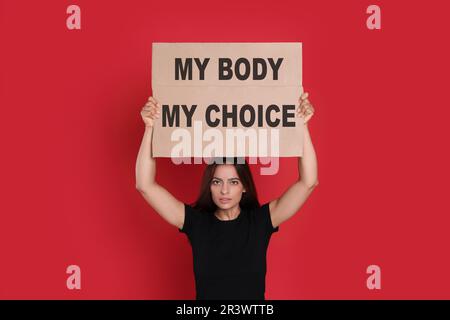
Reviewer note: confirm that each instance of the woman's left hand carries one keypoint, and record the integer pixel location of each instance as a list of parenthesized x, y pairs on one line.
[(305, 109)]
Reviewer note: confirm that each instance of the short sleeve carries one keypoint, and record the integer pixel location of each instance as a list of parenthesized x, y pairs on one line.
[(191, 219), (265, 211)]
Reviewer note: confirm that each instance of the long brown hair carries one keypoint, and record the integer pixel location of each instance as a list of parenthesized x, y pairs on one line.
[(249, 198)]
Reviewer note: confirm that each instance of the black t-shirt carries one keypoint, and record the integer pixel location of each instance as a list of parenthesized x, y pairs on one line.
[(229, 255)]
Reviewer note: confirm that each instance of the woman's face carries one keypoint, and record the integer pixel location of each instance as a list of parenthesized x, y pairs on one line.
[(226, 187)]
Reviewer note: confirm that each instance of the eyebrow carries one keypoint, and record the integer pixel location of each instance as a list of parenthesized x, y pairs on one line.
[(228, 179)]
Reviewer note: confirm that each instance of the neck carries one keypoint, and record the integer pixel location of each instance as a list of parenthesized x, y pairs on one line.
[(228, 214)]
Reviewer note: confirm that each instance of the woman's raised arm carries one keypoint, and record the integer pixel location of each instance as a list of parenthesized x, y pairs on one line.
[(167, 206), (296, 195)]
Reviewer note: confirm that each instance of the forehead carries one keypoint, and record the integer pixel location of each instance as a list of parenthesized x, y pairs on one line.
[(226, 171)]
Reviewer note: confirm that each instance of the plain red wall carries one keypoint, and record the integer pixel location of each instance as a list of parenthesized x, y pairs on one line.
[(71, 130)]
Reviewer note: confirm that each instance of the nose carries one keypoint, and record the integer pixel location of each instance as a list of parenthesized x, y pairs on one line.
[(224, 189)]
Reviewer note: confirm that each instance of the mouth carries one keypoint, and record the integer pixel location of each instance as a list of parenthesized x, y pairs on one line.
[(224, 200)]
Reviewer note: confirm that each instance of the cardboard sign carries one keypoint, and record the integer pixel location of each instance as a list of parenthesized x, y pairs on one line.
[(227, 99)]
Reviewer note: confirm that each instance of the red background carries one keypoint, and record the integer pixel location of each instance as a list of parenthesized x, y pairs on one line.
[(71, 130)]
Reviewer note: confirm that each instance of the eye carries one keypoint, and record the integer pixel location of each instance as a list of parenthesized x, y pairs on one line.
[(215, 182), (235, 182)]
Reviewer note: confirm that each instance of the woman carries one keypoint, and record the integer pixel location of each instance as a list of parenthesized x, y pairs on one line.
[(227, 228)]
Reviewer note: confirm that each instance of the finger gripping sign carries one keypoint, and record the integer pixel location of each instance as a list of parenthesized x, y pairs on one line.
[(227, 99)]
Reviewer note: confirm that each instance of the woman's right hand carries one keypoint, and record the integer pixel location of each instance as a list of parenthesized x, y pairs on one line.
[(150, 112)]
